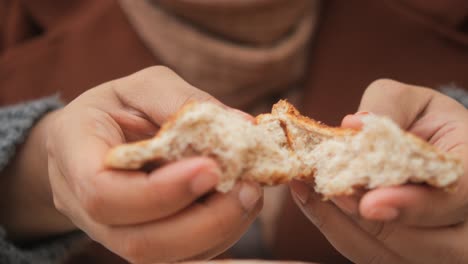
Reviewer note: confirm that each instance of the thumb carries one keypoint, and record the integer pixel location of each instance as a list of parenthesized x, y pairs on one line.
[(157, 92), (400, 102), (434, 118)]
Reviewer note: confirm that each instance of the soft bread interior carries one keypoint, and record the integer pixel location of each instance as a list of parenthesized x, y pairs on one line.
[(283, 145), (257, 152), (380, 155)]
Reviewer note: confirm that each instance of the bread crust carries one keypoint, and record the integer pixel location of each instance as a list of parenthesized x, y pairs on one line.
[(282, 145)]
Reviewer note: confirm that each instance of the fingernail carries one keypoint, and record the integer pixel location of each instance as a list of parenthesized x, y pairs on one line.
[(205, 181), (249, 195), (362, 113), (301, 191), (346, 204), (383, 214)]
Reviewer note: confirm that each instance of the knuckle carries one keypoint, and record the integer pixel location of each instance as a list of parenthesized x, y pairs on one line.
[(390, 87), (158, 71), (144, 78), (165, 76), (383, 82)]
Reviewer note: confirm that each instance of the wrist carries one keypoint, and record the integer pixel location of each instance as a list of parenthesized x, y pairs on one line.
[(28, 205)]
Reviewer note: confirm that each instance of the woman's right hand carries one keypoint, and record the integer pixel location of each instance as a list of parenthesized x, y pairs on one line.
[(143, 217)]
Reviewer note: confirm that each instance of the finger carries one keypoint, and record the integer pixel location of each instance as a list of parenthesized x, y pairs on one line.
[(417, 245), (134, 126), (339, 229), (66, 203), (401, 102), (410, 205), (119, 197), (220, 220), (422, 111), (415, 205), (411, 245), (203, 230), (351, 121), (422, 205), (149, 97), (435, 118), (229, 241), (124, 197), (107, 196)]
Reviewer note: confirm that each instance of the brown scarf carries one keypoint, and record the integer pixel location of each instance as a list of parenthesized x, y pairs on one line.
[(238, 51)]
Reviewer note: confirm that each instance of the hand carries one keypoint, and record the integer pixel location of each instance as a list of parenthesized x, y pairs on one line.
[(404, 224), (143, 217)]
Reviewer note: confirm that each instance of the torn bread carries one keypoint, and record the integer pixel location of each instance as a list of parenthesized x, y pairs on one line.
[(285, 145)]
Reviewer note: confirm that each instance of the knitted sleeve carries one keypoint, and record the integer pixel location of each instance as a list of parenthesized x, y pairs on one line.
[(15, 123), (17, 120), (456, 93), (52, 250)]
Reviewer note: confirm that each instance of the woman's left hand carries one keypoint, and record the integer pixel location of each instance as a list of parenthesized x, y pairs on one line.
[(403, 224)]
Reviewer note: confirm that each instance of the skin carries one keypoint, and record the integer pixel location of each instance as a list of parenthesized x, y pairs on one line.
[(404, 224), (143, 217)]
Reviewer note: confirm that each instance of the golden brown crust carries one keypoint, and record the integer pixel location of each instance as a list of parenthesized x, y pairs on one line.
[(310, 124), (113, 160), (282, 112)]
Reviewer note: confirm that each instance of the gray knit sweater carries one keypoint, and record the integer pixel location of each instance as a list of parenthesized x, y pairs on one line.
[(15, 123)]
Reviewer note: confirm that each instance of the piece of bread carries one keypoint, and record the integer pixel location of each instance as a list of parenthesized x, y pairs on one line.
[(285, 145)]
